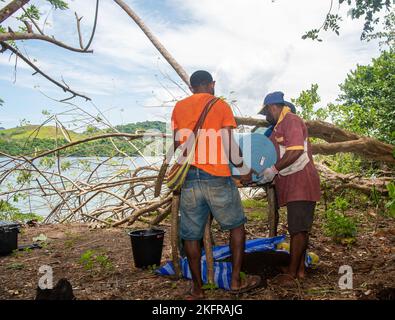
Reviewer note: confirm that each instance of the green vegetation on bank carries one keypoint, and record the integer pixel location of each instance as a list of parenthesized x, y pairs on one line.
[(31, 139)]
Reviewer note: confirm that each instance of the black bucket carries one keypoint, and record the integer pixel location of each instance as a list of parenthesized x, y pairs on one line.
[(147, 247), (8, 237)]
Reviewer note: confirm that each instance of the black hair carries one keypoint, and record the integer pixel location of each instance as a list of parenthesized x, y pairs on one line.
[(200, 78)]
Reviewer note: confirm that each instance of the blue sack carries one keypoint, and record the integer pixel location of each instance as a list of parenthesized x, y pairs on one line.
[(222, 269)]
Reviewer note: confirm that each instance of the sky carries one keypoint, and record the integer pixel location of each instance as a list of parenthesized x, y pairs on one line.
[(252, 47)]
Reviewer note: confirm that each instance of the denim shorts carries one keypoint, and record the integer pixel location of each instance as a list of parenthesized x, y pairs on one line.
[(203, 193)]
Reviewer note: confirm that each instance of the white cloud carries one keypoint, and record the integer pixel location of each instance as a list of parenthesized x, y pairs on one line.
[(251, 46)]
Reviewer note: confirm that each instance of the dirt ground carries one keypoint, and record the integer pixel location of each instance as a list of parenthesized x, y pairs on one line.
[(113, 275)]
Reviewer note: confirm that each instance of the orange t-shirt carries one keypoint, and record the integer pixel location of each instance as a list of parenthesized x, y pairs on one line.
[(209, 156)]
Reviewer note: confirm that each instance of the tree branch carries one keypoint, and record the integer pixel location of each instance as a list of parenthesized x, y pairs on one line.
[(102, 136), (11, 8), (35, 68), (339, 140), (33, 21), (93, 30), (7, 36), (365, 147), (155, 41)]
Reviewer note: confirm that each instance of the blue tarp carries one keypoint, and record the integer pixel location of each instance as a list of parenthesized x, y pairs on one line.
[(223, 270)]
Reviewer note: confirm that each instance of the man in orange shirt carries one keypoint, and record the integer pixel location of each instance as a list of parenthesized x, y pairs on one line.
[(209, 186)]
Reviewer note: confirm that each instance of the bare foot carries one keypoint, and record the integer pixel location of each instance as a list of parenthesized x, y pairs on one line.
[(194, 294), (284, 269), (301, 271)]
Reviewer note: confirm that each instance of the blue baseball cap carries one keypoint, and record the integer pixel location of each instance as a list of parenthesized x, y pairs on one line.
[(277, 97)]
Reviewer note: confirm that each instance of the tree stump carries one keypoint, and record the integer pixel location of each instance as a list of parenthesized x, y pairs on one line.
[(273, 215), (175, 205), (208, 247)]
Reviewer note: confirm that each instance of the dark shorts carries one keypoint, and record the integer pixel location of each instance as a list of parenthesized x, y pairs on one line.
[(300, 216)]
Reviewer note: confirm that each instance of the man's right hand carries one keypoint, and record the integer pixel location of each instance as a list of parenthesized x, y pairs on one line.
[(246, 178), (269, 174)]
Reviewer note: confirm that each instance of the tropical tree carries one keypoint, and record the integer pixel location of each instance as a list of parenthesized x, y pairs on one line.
[(369, 10), (367, 99)]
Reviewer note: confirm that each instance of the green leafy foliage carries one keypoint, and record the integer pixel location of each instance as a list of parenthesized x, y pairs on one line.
[(10, 213), (365, 103), (31, 12), (367, 99), (341, 204), (331, 23), (390, 205), (387, 35), (253, 203), (306, 101), (59, 4), (152, 268), (24, 177), (15, 266), (345, 163), (95, 261), (31, 139), (371, 11), (337, 225), (209, 286), (47, 162), (142, 126), (65, 165)]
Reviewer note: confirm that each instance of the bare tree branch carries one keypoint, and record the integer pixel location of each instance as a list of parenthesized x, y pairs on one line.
[(65, 88), (155, 41), (7, 36), (79, 29), (93, 30), (11, 8)]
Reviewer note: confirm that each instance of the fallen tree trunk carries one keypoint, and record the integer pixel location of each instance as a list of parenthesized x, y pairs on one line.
[(339, 140), (365, 147), (339, 181)]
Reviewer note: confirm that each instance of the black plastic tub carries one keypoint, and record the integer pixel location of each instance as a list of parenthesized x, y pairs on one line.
[(8, 237), (147, 247)]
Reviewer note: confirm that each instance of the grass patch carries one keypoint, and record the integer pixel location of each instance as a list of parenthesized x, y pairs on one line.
[(340, 228), (15, 266), (96, 262), (10, 213), (252, 203), (256, 215), (69, 244)]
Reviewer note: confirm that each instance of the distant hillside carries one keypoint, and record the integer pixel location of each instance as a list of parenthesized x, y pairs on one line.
[(50, 132), (146, 125), (34, 131), (32, 139)]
